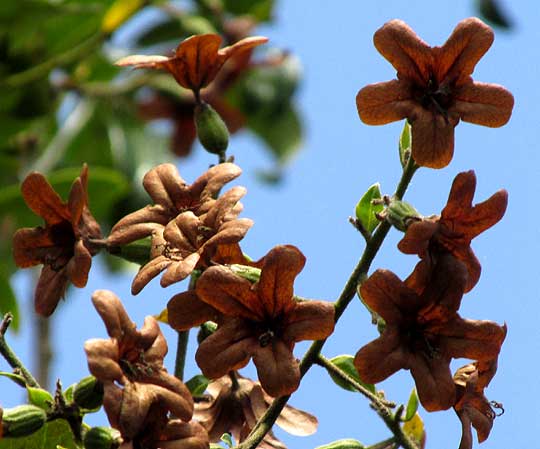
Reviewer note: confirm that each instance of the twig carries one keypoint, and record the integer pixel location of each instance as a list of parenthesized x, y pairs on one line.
[(181, 350), (266, 422), (10, 356)]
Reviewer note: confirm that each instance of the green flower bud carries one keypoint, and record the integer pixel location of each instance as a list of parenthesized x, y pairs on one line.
[(206, 330), (252, 274), (211, 129), (22, 420), (102, 438), (400, 214), (88, 393)]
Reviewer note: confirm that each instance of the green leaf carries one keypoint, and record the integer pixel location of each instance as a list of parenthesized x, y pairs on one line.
[(197, 385), (346, 363), (40, 398), (227, 439), (260, 9), (491, 11), (54, 433), (405, 144), (414, 428), (19, 380), (347, 443), (366, 210), (412, 405), (8, 300)]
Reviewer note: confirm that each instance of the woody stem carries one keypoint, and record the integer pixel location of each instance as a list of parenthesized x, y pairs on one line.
[(311, 356), (10, 356)]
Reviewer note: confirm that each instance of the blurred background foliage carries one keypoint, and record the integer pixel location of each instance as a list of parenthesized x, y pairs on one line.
[(63, 102)]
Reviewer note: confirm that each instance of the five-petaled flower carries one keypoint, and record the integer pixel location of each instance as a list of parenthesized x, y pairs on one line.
[(138, 391), (172, 196), (262, 321), (434, 88), (196, 61), (234, 404), (423, 332), (453, 231), (64, 245)]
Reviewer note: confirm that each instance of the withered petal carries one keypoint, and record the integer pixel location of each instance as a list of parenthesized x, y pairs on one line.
[(309, 320), (275, 288), (386, 102), (103, 359), (184, 435), (229, 293), (151, 340), (466, 441), (50, 288), (229, 348), (28, 245), (474, 269), (417, 236), (79, 265), (434, 382), (216, 216), (183, 232), (456, 59), (137, 225), (483, 104), (461, 196), (382, 357), (149, 272), (402, 47), (208, 185), (114, 315), (433, 141), (143, 61), (43, 200), (179, 270), (166, 187), (277, 368), (241, 46), (185, 310), (229, 233)]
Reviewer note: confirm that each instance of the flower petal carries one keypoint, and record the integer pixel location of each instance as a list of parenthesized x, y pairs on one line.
[(103, 359), (275, 288), (417, 237), (185, 310), (30, 246), (212, 181), (402, 47), (309, 320), (112, 312), (179, 270), (43, 200), (149, 272), (382, 103), (50, 288), (143, 61), (277, 368), (79, 265), (434, 383)]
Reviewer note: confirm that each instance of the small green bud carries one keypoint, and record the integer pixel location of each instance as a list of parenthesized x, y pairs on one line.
[(88, 393), (211, 129), (102, 438), (22, 420), (252, 274), (206, 330), (400, 214)]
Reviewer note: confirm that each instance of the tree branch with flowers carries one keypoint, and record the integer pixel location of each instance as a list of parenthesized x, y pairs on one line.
[(248, 310)]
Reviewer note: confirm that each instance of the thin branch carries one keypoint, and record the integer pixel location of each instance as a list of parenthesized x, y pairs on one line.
[(181, 350), (10, 356), (266, 422)]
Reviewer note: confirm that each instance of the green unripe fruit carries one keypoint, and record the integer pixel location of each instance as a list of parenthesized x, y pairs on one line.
[(401, 214), (211, 129), (102, 438), (88, 393), (22, 421)]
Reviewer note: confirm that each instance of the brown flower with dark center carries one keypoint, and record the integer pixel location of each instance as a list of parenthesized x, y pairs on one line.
[(453, 231), (171, 196), (424, 332), (190, 242), (262, 321), (63, 246), (472, 407), (138, 391), (234, 405), (434, 89), (197, 60)]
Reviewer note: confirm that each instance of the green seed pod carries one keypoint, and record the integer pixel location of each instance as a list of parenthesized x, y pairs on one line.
[(88, 393), (211, 129), (400, 214), (22, 420), (102, 438)]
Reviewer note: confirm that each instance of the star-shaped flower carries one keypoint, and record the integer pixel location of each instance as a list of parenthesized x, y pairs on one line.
[(434, 88), (453, 231), (234, 404), (197, 60), (424, 332), (171, 196), (138, 390), (262, 321), (64, 246)]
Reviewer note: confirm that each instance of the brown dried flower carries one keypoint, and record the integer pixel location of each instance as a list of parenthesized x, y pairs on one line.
[(171, 196), (190, 242), (424, 332), (453, 231), (235, 404), (64, 245), (472, 407), (138, 390), (262, 320), (434, 88), (196, 61)]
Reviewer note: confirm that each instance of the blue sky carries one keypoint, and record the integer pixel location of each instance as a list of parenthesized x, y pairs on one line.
[(341, 158)]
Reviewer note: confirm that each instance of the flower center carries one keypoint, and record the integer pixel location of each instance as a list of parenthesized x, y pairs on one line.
[(63, 239), (435, 97)]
